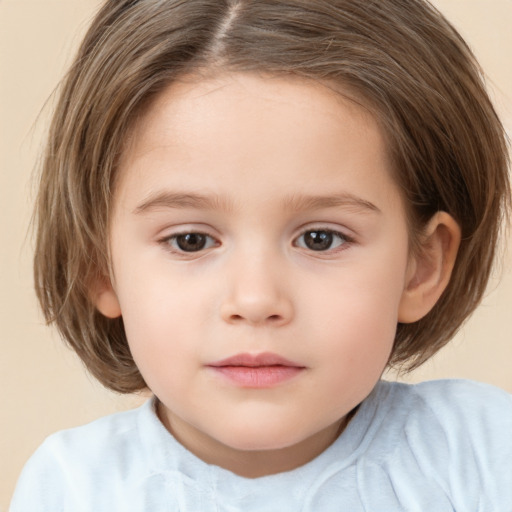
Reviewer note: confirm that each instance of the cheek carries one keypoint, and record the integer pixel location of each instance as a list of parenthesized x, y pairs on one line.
[(360, 316), (161, 316), (163, 343), (155, 294), (362, 332)]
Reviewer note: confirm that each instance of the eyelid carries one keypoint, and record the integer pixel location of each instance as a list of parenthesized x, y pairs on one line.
[(330, 227), (347, 239), (166, 240), (184, 228)]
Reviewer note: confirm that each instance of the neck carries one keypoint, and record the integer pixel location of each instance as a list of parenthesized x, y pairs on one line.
[(252, 463)]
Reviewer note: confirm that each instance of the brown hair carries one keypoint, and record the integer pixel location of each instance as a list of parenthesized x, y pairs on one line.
[(405, 62)]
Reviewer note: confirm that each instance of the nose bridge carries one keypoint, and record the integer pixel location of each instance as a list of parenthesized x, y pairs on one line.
[(257, 290)]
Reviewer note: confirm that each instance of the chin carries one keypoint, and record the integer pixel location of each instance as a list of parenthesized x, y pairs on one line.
[(259, 438)]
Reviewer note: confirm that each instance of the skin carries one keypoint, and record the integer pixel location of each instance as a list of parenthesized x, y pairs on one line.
[(256, 164)]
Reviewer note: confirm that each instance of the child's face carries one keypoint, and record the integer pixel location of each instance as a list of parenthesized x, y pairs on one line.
[(258, 216)]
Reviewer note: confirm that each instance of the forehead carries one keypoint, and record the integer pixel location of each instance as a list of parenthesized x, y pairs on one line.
[(231, 130), (193, 104)]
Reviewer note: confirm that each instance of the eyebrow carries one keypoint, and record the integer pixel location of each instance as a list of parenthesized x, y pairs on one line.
[(181, 200), (345, 200)]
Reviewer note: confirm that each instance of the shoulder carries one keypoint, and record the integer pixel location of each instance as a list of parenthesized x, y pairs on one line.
[(478, 406), (461, 409), (468, 391), (102, 439), (445, 413), (457, 433), (71, 465)]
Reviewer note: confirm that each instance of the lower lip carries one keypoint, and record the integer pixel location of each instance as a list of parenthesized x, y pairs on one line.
[(258, 376)]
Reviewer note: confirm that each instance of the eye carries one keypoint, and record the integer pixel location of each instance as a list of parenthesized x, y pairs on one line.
[(190, 242), (321, 240)]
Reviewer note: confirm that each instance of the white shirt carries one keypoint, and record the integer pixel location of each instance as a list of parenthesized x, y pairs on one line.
[(433, 447)]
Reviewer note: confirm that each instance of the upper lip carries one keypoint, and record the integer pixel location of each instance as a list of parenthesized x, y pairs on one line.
[(255, 360)]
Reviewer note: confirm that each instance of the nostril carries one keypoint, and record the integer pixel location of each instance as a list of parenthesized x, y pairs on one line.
[(255, 312), (271, 319)]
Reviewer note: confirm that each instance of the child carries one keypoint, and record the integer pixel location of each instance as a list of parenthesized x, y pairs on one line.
[(252, 208)]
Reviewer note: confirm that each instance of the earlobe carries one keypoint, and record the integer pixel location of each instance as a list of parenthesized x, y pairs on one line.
[(105, 299), (429, 271)]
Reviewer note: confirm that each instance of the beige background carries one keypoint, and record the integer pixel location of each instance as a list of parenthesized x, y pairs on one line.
[(44, 388)]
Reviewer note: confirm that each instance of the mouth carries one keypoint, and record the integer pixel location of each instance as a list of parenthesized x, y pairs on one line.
[(263, 370)]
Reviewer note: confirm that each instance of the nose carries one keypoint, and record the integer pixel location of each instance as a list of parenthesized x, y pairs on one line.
[(257, 293)]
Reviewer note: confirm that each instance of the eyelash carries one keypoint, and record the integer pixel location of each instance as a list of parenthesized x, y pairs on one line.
[(172, 245), (344, 240), (171, 242)]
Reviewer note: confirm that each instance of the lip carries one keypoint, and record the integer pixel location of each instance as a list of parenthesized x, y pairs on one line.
[(262, 370)]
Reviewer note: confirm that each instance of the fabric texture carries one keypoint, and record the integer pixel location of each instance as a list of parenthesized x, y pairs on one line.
[(437, 446)]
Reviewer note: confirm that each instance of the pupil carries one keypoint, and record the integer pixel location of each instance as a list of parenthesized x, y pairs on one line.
[(191, 242), (318, 240)]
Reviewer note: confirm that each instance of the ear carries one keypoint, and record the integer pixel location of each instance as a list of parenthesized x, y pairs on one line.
[(105, 299), (429, 270)]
